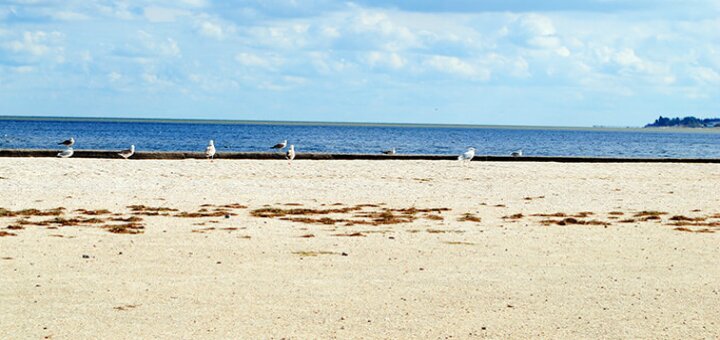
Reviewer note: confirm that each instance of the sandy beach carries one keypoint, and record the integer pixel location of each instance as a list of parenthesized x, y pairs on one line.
[(357, 249)]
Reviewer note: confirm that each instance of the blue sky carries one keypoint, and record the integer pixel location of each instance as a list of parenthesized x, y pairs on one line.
[(552, 62)]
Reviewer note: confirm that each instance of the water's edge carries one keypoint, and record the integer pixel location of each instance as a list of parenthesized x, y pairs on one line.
[(172, 155)]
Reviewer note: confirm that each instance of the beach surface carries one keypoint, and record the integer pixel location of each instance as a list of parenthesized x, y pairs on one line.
[(94, 248)]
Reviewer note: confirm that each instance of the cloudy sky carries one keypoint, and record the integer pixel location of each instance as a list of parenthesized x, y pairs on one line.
[(520, 62)]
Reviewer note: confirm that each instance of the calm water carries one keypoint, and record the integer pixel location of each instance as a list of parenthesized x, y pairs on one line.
[(173, 136)]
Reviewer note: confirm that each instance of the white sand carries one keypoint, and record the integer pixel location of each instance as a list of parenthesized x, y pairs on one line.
[(516, 279)]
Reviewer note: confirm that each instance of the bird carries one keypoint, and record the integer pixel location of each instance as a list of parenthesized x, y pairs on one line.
[(280, 146), (70, 142), (468, 155), (67, 153), (290, 155), (127, 153), (517, 153), (210, 150), (389, 152)]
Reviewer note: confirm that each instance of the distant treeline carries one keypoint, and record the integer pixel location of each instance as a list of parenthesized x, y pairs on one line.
[(690, 122)]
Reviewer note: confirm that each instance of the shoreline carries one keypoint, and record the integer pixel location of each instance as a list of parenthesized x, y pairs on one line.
[(177, 155)]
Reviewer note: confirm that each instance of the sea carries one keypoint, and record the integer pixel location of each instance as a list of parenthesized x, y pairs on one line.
[(172, 135)]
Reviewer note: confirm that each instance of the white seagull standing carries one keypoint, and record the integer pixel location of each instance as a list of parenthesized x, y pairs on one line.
[(517, 153), (290, 155), (70, 142), (127, 153), (468, 155), (67, 153), (210, 150), (389, 152), (280, 146)]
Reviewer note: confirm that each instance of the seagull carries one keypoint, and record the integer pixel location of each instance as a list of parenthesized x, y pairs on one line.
[(70, 142), (517, 153), (389, 152), (210, 150), (67, 153), (468, 155), (290, 155), (127, 153), (280, 146)]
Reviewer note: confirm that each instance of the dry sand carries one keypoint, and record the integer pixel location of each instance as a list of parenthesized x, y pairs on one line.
[(402, 275)]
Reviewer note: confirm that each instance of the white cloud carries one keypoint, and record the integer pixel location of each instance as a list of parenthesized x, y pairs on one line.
[(456, 66), (269, 62), (69, 16), (163, 14), (705, 75), (32, 42), (391, 60), (114, 76), (212, 30)]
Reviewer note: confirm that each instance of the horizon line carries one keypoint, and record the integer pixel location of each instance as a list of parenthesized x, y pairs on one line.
[(298, 122)]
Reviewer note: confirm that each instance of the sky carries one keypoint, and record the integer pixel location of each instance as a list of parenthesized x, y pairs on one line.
[(507, 62)]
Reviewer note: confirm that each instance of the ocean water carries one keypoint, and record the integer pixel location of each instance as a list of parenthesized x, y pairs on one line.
[(193, 136)]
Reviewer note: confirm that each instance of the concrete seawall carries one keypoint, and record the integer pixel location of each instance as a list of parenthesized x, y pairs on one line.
[(105, 154)]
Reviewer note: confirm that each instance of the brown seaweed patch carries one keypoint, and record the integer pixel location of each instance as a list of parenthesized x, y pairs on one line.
[(367, 205), (31, 212), (202, 230), (310, 253), (308, 220), (469, 217), (150, 211), (307, 236), (277, 212), (433, 217), (127, 228), (704, 230), (6, 233), (125, 307), (529, 198), (557, 214), (355, 234), (94, 212), (443, 231), (616, 213), (513, 217), (650, 213), (14, 227), (584, 214), (685, 218), (695, 224), (573, 221), (293, 204), (127, 219), (203, 213), (499, 206), (627, 220), (63, 222), (413, 210), (234, 206), (459, 243)]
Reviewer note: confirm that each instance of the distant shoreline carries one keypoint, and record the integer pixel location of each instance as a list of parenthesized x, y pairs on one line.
[(350, 124), (360, 124)]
